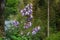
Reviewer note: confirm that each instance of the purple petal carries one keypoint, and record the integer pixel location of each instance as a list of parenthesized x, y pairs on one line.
[(27, 8), (33, 32), (15, 23), (36, 29), (30, 11), (30, 6), (23, 11), (29, 19), (26, 13), (23, 14), (26, 26), (30, 24)]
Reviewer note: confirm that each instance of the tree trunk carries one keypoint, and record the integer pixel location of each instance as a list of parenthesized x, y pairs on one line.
[(2, 18)]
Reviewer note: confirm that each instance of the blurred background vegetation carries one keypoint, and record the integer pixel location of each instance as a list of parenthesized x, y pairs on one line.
[(12, 11)]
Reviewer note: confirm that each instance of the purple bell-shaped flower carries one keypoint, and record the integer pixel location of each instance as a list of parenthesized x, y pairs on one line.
[(15, 23)]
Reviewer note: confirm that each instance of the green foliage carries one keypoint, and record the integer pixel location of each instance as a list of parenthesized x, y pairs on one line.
[(14, 34), (55, 14), (11, 7), (11, 3), (54, 36), (1, 38), (39, 14)]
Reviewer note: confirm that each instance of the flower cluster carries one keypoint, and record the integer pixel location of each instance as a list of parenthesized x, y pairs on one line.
[(27, 10), (30, 18), (27, 25), (35, 30), (15, 23)]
